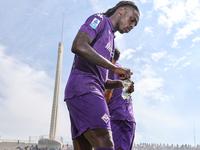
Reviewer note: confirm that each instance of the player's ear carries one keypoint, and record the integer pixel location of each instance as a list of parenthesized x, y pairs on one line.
[(122, 10)]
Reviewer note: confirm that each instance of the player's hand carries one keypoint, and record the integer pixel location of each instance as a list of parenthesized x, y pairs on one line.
[(124, 73), (120, 84), (130, 89)]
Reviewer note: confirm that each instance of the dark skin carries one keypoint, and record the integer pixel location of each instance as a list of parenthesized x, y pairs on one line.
[(123, 21), (109, 91)]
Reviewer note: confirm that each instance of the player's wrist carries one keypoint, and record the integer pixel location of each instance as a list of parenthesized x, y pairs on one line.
[(113, 68)]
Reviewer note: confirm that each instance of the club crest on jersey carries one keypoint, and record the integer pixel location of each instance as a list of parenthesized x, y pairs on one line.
[(95, 23), (105, 118)]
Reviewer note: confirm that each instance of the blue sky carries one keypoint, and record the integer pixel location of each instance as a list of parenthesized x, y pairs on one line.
[(162, 52)]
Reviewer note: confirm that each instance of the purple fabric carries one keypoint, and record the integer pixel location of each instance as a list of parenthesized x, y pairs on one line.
[(105, 148), (123, 134), (87, 111), (86, 77), (119, 108)]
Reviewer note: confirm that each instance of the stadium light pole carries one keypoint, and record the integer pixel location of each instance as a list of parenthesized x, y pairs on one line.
[(54, 113)]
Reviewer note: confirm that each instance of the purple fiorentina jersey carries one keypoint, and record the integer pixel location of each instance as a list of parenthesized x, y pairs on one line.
[(86, 77), (119, 108)]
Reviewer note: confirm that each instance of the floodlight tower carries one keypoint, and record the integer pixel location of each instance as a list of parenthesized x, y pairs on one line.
[(54, 113), (52, 141)]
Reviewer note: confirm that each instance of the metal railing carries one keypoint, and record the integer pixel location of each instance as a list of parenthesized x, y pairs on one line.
[(16, 141)]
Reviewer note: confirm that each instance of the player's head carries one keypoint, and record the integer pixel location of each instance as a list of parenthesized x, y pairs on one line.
[(127, 14), (116, 56)]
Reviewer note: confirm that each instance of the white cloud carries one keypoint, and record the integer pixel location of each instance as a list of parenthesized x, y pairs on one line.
[(157, 56), (129, 57), (151, 87), (190, 6), (143, 1), (147, 72), (179, 60), (192, 45), (187, 30), (119, 41), (149, 15), (174, 44), (186, 64), (197, 39), (26, 97), (176, 12), (155, 122), (166, 22), (139, 48), (166, 69), (198, 87), (159, 4), (148, 30), (126, 54), (149, 84)]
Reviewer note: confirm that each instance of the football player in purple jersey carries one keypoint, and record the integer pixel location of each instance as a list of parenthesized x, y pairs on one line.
[(121, 112), (94, 49)]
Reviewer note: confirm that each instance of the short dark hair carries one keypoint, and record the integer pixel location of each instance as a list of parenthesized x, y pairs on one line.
[(111, 11), (117, 54)]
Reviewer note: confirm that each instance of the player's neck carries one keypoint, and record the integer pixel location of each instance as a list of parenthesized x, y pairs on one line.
[(113, 61), (114, 20)]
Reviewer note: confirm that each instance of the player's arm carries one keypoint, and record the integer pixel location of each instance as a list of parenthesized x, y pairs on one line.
[(108, 94), (112, 84), (81, 47)]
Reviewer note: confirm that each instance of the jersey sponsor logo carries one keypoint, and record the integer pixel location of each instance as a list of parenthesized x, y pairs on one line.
[(105, 118), (95, 23), (109, 48)]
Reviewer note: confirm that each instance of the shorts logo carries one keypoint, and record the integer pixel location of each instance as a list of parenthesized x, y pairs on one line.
[(94, 23), (105, 118)]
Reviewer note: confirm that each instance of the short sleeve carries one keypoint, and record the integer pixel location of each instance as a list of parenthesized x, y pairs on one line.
[(93, 25)]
